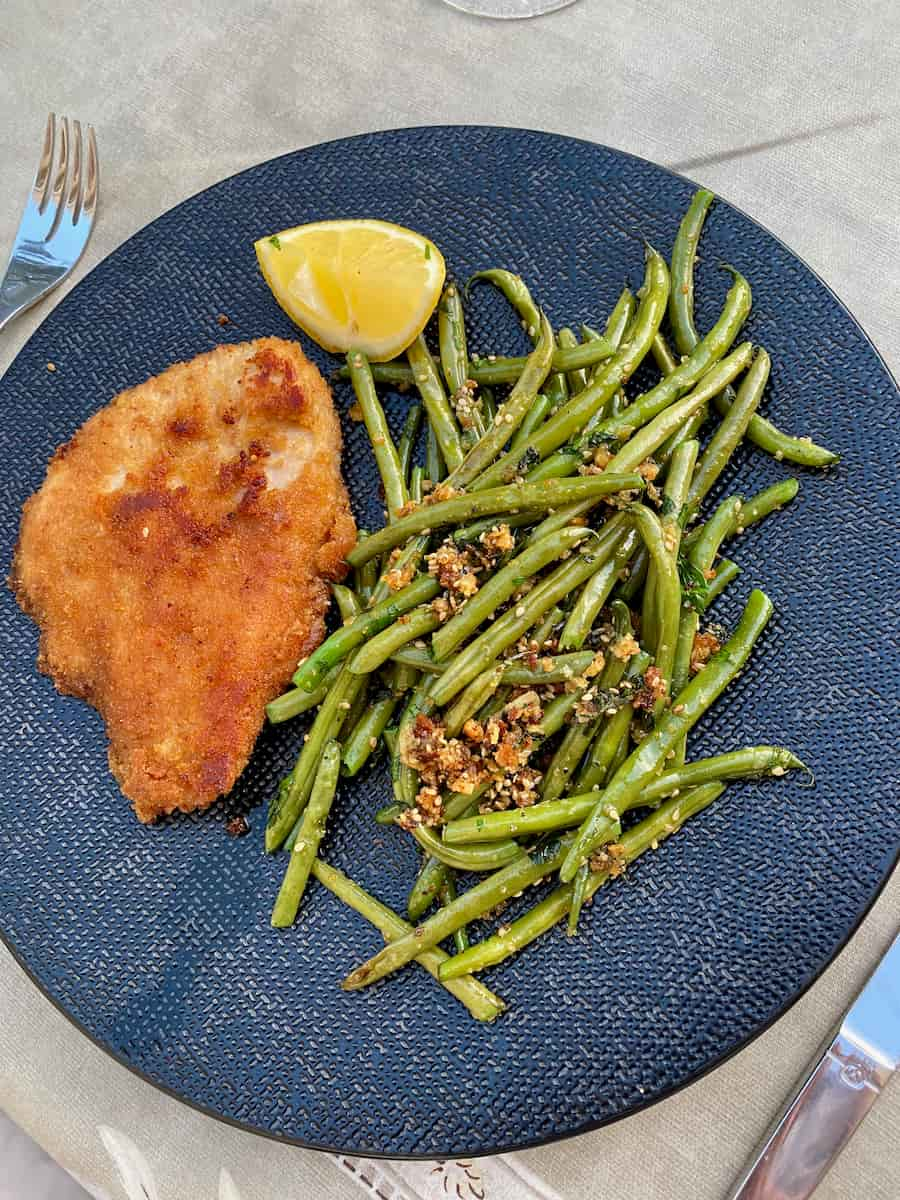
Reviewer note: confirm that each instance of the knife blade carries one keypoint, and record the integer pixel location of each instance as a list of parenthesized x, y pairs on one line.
[(834, 1096)]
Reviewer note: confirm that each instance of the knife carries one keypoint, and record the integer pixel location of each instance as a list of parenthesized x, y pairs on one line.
[(826, 1109)]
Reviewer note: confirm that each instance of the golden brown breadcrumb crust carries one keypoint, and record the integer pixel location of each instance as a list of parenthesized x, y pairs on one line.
[(175, 560)]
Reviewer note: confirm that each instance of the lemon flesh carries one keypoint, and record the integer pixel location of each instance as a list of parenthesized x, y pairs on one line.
[(362, 285)]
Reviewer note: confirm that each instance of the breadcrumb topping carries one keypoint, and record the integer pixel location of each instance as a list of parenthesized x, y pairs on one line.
[(654, 688), (705, 645)]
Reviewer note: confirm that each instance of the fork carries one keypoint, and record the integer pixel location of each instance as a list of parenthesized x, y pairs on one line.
[(57, 220)]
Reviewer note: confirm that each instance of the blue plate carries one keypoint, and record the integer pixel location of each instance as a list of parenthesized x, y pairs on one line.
[(156, 941)]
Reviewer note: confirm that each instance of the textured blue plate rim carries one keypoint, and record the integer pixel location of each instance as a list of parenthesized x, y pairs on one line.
[(713, 1064)]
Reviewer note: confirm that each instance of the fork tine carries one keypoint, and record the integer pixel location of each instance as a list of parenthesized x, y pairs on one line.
[(73, 199), (62, 166), (42, 174), (92, 175)]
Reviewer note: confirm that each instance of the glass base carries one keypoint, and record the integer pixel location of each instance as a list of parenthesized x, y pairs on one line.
[(509, 10)]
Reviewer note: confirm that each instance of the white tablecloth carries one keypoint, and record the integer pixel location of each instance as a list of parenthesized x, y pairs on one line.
[(789, 110)]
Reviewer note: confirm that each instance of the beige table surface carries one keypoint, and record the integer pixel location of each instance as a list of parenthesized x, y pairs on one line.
[(788, 109)]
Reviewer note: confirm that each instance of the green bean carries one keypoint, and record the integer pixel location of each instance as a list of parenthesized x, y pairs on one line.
[(618, 330), (662, 354), (596, 767), (652, 435), (510, 414), (558, 465), (550, 816), (365, 579), (502, 585), (769, 500), (768, 437), (543, 632), (594, 595), (392, 477), (335, 648), (694, 700), (580, 734), (426, 888), (455, 364), (721, 525), (681, 305), (481, 1003), (619, 319), (287, 805), (700, 557), (667, 591), (650, 832), (567, 756), (358, 706), (401, 678), (435, 468), (570, 419), (312, 830), (447, 895), (681, 297), (577, 378), (510, 880), (691, 370), (488, 403), (628, 590), (726, 572), (489, 857), (535, 416), (472, 532), (418, 660), (452, 339), (678, 481), (493, 704), (514, 496), (390, 739), (556, 713), (417, 485), (415, 624), (579, 891), (724, 441), (584, 612), (472, 698), (299, 700), (555, 387), (347, 601), (686, 433), (408, 558), (499, 369), (514, 289), (407, 442), (440, 414), (363, 740), (508, 628), (557, 668), (404, 779)]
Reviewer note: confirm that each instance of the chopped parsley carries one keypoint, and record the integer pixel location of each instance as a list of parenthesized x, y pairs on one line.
[(427, 250), (274, 241), (694, 584)]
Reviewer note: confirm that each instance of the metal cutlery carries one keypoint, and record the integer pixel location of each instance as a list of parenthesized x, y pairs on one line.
[(58, 217)]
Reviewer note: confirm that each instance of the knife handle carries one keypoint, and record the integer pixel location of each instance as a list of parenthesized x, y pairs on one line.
[(815, 1126)]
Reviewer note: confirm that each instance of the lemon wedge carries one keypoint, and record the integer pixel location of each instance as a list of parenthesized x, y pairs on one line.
[(362, 285)]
